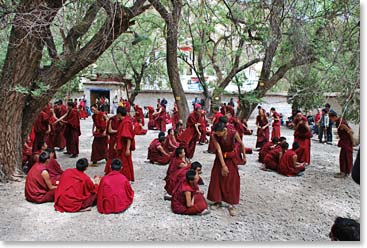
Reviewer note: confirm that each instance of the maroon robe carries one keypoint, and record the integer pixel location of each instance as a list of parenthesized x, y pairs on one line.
[(75, 192), (139, 114), (211, 148), (99, 146), (264, 150), (115, 122), (189, 137), (72, 131), (151, 122), (286, 166), (170, 144), (114, 193), (346, 151), (155, 155), (59, 139), (272, 159), (178, 202), (139, 130), (54, 170), (175, 117), (160, 120), (303, 136), (174, 178), (276, 126), (40, 128), (36, 189), (125, 132), (262, 134), (227, 188)]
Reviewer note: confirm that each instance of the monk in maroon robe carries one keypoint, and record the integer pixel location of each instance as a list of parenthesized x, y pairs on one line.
[(187, 197), (138, 128), (151, 122), (288, 165), (192, 133), (139, 113), (115, 194), (177, 162), (72, 130), (99, 146), (38, 186), (302, 135), (262, 124), (175, 116), (156, 152), (346, 143), (267, 148), (160, 120), (216, 116), (126, 143), (225, 181), (170, 144), (272, 158), (41, 126), (53, 167), (112, 128), (76, 191), (276, 123), (59, 139)]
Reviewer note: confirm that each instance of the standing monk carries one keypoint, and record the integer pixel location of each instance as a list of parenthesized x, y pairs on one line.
[(160, 120), (175, 116), (262, 124), (113, 124), (76, 191), (38, 185), (41, 126), (126, 143), (276, 123), (346, 142), (302, 135), (225, 181), (72, 130), (59, 139), (192, 133), (99, 146), (139, 113), (151, 122)]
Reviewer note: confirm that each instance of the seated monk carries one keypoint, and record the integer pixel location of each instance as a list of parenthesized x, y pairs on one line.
[(267, 148), (272, 158), (171, 144), (114, 191), (187, 198), (138, 128), (53, 167), (38, 186), (288, 165), (76, 191), (156, 152)]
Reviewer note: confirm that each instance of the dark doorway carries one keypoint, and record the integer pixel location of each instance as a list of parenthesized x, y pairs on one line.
[(99, 93)]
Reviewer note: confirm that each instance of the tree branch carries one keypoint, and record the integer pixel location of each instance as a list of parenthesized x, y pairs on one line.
[(167, 17)]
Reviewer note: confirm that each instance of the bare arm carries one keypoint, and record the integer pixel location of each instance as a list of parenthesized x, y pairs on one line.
[(189, 201), (110, 130), (243, 148), (225, 170), (62, 117), (160, 148), (47, 179)]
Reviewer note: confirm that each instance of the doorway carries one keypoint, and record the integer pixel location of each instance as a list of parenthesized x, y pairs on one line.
[(99, 93)]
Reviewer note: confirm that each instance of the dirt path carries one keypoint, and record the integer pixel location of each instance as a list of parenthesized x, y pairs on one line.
[(272, 207)]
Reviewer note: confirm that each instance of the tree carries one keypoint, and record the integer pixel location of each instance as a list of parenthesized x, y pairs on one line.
[(30, 76), (172, 20)]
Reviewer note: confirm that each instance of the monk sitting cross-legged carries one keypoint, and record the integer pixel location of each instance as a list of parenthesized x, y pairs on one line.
[(156, 152), (288, 165), (138, 127), (38, 186), (114, 192), (187, 198), (76, 191), (53, 167)]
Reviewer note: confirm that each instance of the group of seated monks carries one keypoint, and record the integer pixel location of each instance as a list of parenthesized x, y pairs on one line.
[(73, 190), (276, 156), (161, 149), (182, 180)]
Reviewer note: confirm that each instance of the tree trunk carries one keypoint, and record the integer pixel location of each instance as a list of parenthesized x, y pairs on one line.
[(173, 74), (246, 110)]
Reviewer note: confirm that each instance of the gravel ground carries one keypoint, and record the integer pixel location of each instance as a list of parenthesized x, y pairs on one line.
[(272, 207)]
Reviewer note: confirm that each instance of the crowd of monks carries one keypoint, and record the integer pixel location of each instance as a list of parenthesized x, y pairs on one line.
[(72, 190)]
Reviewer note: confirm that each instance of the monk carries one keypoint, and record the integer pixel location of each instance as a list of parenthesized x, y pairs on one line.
[(72, 130), (216, 116), (302, 135), (53, 167), (115, 194), (192, 133), (203, 123), (187, 197), (59, 139), (113, 124), (139, 113), (262, 124), (178, 161), (276, 123), (267, 148), (175, 116), (41, 126), (99, 146), (76, 191), (126, 143), (170, 144), (272, 158), (38, 186), (138, 128), (225, 181), (160, 119), (346, 143), (156, 152), (151, 122), (288, 165)]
